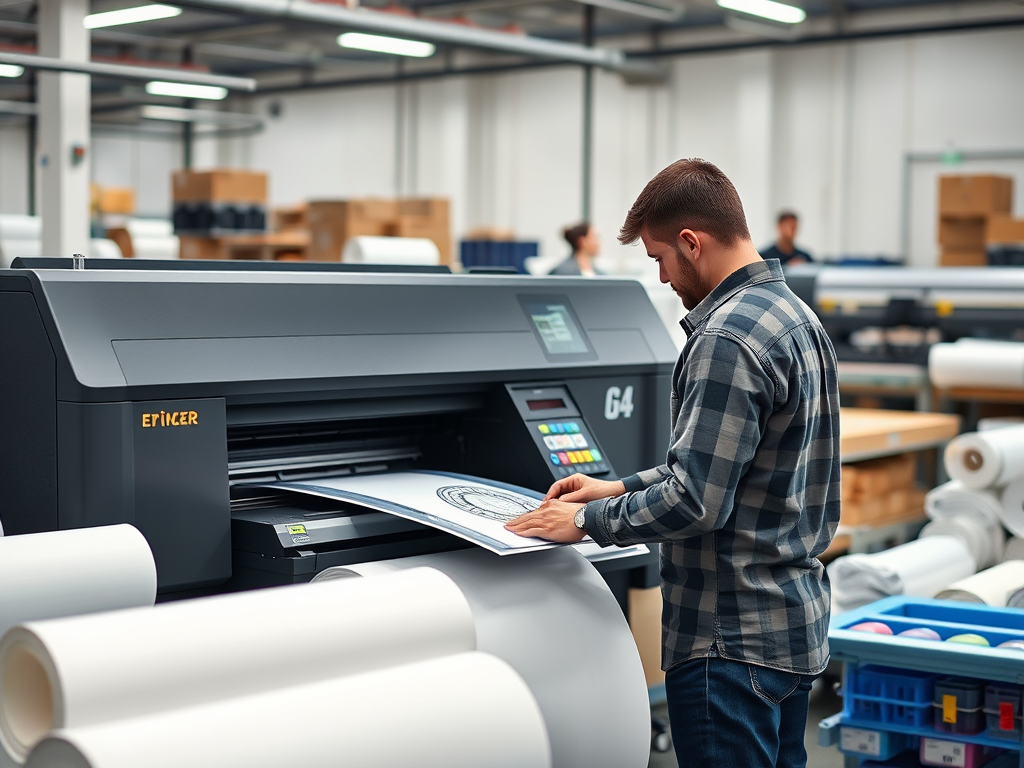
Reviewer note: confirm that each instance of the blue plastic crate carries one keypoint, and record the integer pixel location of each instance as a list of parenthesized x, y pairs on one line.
[(947, 618), (887, 695)]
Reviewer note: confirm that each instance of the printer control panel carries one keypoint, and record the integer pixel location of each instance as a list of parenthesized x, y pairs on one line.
[(571, 448), (558, 431)]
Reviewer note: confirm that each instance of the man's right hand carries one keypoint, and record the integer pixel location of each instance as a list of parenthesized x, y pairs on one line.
[(579, 489)]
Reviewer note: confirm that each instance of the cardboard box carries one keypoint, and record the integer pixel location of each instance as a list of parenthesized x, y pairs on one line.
[(1003, 228), (290, 218), (963, 257), (975, 195), (645, 623), (220, 185), (202, 248), (332, 222), (863, 512), (441, 235), (962, 232), (116, 200)]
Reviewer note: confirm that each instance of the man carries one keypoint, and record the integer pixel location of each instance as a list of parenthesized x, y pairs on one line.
[(749, 494), (784, 248)]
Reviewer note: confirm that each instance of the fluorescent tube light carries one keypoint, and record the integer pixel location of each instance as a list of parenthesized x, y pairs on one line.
[(11, 70), (131, 15), (383, 44), (766, 9), (186, 90)]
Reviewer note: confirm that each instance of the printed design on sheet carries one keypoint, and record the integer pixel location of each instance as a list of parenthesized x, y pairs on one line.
[(491, 503)]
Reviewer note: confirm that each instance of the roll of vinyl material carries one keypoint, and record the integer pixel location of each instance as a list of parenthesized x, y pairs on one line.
[(1011, 508), (462, 711), (552, 617), (158, 228), (391, 250), (977, 363), (989, 459), (79, 571), (992, 587), (976, 516), (67, 673), (919, 568)]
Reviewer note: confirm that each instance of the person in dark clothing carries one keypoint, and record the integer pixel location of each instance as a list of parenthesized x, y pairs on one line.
[(585, 246), (784, 248), (748, 496)]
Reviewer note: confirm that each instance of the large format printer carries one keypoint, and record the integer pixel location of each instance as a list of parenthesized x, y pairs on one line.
[(157, 397), (891, 314)]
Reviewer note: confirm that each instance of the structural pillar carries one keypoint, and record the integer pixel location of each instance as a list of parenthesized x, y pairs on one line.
[(587, 160), (64, 112)]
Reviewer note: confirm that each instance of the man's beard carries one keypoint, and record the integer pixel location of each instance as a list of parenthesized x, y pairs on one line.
[(694, 288)]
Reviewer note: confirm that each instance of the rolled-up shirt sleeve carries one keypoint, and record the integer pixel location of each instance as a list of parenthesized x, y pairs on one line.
[(726, 398)]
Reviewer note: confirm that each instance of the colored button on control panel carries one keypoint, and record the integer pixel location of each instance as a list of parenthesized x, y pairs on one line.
[(579, 441), (572, 427), (563, 458), (555, 460), (544, 428), (551, 443), (588, 456), (596, 454)]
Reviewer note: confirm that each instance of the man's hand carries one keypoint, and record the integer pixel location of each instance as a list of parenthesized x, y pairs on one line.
[(579, 489), (552, 520)]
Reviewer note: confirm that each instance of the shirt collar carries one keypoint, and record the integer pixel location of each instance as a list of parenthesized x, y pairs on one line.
[(744, 277)]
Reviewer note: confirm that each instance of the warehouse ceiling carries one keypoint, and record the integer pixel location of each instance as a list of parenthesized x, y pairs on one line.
[(285, 53)]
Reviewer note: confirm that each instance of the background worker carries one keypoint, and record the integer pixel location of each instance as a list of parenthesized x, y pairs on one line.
[(586, 246), (749, 494), (784, 248)]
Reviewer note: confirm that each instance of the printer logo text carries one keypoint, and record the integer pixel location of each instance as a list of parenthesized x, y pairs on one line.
[(170, 419)]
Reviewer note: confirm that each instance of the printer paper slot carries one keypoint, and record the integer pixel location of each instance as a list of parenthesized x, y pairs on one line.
[(471, 508)]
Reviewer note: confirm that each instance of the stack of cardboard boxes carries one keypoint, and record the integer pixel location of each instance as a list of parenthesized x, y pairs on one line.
[(881, 491), (968, 206), (209, 205), (333, 222)]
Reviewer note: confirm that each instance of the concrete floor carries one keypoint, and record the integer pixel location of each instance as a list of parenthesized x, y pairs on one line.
[(824, 703)]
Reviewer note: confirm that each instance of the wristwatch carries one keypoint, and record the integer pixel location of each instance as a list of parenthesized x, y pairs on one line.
[(580, 519)]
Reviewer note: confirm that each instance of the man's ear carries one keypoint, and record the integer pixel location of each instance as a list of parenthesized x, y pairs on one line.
[(689, 243)]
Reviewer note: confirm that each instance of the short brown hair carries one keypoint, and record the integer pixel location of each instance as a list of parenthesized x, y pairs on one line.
[(787, 215), (574, 233), (691, 193)]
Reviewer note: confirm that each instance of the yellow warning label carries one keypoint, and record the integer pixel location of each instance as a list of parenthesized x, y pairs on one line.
[(949, 709), (296, 529)]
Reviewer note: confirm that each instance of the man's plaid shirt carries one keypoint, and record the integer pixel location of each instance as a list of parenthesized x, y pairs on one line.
[(749, 495)]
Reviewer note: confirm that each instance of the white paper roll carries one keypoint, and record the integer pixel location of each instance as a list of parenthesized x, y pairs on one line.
[(464, 711), (101, 248), (991, 587), (1011, 507), (551, 616), (1014, 549), (977, 363), (391, 250), (67, 573), (986, 459), (919, 568), (971, 515), (72, 672), (155, 247), (16, 226), (159, 228)]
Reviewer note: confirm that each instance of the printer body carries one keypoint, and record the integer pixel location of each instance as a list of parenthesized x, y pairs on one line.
[(163, 398)]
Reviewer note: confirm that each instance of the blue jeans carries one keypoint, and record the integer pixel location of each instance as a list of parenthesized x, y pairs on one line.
[(727, 714)]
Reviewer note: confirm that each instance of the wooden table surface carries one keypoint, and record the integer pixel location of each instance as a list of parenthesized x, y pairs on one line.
[(868, 433)]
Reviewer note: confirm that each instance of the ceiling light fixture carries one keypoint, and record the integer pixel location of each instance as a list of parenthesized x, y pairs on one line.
[(186, 90), (131, 15), (384, 44), (766, 9), (11, 70)]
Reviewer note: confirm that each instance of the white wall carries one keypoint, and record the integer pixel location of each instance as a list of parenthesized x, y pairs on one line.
[(823, 129)]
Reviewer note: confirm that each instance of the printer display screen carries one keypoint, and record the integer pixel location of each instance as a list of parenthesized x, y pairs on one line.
[(556, 327)]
